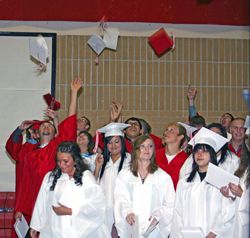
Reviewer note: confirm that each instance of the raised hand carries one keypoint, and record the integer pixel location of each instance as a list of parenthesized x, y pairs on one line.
[(115, 112)]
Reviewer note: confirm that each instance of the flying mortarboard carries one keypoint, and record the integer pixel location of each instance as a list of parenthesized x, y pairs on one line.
[(208, 137), (97, 44), (114, 129), (110, 38), (51, 102), (161, 42), (39, 49)]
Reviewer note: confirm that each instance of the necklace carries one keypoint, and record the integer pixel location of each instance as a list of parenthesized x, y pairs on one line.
[(143, 178)]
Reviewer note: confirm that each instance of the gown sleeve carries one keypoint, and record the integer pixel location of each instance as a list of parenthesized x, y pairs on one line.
[(39, 215), (89, 211)]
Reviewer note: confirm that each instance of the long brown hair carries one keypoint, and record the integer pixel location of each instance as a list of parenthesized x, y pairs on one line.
[(244, 164), (134, 156)]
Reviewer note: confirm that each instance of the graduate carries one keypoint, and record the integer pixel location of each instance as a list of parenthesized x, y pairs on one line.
[(199, 205), (70, 203), (115, 158), (39, 158), (144, 194), (172, 157)]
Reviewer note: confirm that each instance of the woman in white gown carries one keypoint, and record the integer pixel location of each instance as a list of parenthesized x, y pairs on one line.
[(225, 158), (115, 158), (199, 206), (70, 203), (144, 194)]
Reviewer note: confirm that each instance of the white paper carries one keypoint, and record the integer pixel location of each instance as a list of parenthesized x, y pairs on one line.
[(21, 227), (110, 38), (219, 177), (150, 226), (97, 44), (192, 232)]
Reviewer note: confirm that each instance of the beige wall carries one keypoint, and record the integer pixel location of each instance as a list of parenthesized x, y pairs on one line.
[(151, 87)]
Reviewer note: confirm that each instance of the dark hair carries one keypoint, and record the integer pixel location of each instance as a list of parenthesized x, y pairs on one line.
[(244, 164), (197, 120), (73, 149), (106, 153), (134, 156), (224, 150), (91, 143), (134, 119), (146, 127), (229, 114), (195, 167)]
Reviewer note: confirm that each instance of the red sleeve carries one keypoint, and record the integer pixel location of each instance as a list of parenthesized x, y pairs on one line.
[(13, 148), (157, 140)]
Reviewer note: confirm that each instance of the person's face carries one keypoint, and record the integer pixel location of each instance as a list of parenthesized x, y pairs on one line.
[(202, 159), (47, 130), (225, 120), (171, 135), (82, 124), (65, 163), (237, 130), (146, 150), (115, 146), (134, 130), (82, 139)]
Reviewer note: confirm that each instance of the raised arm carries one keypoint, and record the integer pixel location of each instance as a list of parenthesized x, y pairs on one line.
[(76, 84), (191, 95)]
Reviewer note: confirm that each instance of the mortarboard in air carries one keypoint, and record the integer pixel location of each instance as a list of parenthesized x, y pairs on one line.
[(247, 125), (114, 129), (97, 44), (189, 129), (208, 137), (51, 102), (110, 38), (39, 49), (161, 42)]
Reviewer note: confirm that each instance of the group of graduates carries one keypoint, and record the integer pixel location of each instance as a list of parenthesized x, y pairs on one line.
[(127, 182)]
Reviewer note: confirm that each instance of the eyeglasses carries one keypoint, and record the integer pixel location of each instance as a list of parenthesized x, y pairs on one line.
[(134, 123)]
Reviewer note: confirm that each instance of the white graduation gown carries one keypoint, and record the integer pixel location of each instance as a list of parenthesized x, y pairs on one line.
[(200, 205), (230, 164), (242, 225), (154, 197), (107, 183), (86, 202)]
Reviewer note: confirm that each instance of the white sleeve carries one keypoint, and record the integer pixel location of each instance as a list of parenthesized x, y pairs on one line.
[(39, 215), (88, 215), (186, 167), (123, 203), (177, 222), (224, 221), (164, 213)]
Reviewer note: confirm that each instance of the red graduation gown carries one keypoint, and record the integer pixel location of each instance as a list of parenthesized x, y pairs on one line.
[(37, 162), (172, 168)]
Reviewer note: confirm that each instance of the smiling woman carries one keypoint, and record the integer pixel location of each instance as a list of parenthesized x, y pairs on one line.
[(76, 200)]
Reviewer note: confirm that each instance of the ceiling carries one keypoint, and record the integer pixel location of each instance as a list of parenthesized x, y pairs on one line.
[(221, 12)]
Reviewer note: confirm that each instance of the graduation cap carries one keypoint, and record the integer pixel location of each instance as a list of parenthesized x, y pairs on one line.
[(110, 38), (39, 49), (208, 137), (97, 44), (247, 125), (161, 42), (51, 102), (189, 129), (114, 129)]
